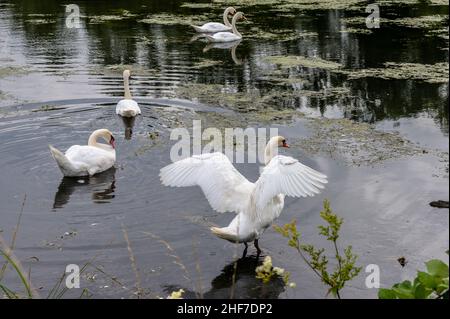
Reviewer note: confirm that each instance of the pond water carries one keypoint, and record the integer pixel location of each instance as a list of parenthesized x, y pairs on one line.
[(57, 85)]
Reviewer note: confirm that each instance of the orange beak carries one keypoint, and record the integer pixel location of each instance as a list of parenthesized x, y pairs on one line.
[(285, 145), (112, 142)]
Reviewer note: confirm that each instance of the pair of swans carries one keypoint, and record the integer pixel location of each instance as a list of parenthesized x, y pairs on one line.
[(257, 204), (222, 31), (95, 157)]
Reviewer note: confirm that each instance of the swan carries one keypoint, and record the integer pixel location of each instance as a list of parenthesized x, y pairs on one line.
[(87, 160), (228, 36), (127, 107), (257, 204), (212, 27)]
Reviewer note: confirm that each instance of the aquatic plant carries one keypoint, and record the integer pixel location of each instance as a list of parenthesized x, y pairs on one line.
[(430, 73), (429, 284), (176, 294), (315, 258), (290, 61), (266, 271)]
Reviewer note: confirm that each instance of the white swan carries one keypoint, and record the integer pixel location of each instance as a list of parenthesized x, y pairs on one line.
[(257, 204), (127, 107), (87, 159), (228, 36), (212, 27)]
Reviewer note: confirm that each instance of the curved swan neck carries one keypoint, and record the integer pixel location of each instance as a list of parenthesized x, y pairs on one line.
[(225, 17), (270, 151), (233, 25), (126, 84), (93, 138)]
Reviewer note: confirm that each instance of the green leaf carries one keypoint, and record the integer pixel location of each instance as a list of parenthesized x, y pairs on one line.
[(420, 292), (427, 280), (386, 294), (437, 268)]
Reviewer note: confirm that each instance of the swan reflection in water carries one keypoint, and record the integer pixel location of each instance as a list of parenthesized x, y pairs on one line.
[(225, 45), (128, 122), (246, 285), (220, 45), (100, 186)]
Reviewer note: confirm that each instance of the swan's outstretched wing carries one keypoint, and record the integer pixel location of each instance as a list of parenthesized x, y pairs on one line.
[(286, 175), (224, 187)]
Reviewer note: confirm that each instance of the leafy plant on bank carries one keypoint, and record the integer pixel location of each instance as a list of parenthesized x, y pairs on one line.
[(316, 259), (429, 284)]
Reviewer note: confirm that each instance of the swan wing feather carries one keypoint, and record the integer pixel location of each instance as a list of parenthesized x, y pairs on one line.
[(224, 187), (286, 175)]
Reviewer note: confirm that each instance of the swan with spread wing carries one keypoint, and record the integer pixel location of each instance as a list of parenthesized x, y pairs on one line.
[(257, 204)]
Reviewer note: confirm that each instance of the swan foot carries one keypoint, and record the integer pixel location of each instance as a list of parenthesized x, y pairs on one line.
[(245, 250), (258, 250)]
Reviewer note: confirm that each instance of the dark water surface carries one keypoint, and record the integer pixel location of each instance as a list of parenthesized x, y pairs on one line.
[(78, 73)]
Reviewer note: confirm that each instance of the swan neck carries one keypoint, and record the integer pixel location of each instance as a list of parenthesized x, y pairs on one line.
[(126, 84), (93, 139), (225, 17), (233, 26), (269, 152)]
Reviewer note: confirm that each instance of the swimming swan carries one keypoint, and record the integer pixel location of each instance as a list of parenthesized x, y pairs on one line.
[(87, 159), (127, 107), (211, 27), (228, 36)]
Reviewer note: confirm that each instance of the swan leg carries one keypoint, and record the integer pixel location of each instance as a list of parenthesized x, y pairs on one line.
[(258, 250), (245, 250)]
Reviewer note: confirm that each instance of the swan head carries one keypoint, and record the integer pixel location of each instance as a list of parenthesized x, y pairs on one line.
[(126, 74), (105, 134), (239, 16), (230, 10), (278, 141), (272, 147)]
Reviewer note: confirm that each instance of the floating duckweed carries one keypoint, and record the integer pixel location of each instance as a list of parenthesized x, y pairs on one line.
[(205, 63), (293, 61), (296, 4), (356, 143), (280, 35), (40, 21), (357, 30), (326, 93), (194, 5), (105, 18), (173, 19), (46, 108), (427, 23), (431, 73), (13, 71), (423, 22)]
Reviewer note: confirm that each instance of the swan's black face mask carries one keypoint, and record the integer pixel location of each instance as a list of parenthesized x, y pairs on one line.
[(112, 142), (285, 144)]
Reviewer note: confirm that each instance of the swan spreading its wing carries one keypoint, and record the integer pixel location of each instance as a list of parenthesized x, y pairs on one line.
[(224, 187), (286, 175)]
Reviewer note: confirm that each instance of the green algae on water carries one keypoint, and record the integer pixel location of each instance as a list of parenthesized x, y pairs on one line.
[(355, 143), (174, 19), (11, 70), (293, 61), (194, 5), (205, 63), (430, 73)]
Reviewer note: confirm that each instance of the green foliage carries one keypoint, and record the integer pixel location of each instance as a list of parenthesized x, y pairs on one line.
[(316, 259), (430, 284), (267, 272)]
